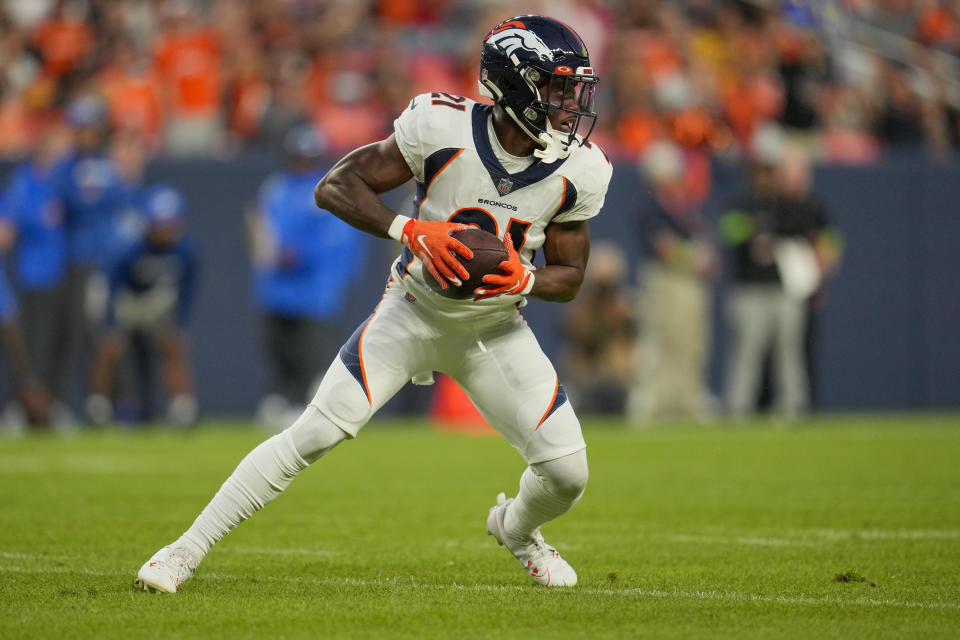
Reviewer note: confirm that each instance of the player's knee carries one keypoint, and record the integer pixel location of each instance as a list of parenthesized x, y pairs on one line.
[(314, 434), (566, 477)]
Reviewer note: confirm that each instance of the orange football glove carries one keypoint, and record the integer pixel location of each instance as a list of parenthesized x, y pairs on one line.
[(431, 242), (515, 279)]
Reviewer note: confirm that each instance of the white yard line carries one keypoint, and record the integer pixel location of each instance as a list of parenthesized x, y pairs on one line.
[(411, 583), (784, 599), (753, 541), (92, 464), (880, 534), (43, 570), (16, 555), (269, 551), (807, 537)]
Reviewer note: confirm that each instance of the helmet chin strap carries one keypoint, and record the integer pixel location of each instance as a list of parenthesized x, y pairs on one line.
[(552, 143), (556, 145), (486, 92)]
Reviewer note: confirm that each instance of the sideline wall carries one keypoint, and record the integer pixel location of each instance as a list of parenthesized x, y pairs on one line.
[(887, 339)]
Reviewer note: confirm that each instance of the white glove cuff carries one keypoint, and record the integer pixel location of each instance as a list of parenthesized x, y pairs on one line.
[(526, 290), (396, 227)]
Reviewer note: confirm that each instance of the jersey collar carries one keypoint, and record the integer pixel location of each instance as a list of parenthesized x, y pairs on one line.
[(504, 182)]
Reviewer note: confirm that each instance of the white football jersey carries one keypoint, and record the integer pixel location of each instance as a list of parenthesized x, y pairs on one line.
[(461, 177)]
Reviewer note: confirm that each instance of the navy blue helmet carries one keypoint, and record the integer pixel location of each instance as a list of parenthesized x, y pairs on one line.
[(535, 66)]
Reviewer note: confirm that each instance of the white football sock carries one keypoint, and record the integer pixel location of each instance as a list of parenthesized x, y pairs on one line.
[(547, 491), (262, 476)]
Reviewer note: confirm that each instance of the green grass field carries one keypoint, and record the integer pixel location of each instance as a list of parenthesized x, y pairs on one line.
[(734, 531)]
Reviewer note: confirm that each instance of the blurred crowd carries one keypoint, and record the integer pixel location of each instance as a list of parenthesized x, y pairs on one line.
[(766, 256), (90, 90), (851, 79), (97, 266), (99, 271)]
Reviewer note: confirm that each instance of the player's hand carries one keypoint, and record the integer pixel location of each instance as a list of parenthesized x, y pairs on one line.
[(515, 278), (431, 242)]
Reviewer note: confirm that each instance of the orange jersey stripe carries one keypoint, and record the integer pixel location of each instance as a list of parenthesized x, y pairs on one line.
[(445, 165), (426, 189), (563, 198)]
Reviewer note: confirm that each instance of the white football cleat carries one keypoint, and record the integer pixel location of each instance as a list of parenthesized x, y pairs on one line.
[(167, 569), (541, 561)]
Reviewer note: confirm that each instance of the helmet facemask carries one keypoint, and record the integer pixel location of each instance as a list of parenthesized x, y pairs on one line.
[(545, 93), (565, 91)]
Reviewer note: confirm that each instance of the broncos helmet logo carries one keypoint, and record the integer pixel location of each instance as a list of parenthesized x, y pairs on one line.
[(511, 39)]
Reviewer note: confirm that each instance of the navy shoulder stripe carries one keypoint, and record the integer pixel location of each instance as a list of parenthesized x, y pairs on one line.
[(569, 198), (435, 163)]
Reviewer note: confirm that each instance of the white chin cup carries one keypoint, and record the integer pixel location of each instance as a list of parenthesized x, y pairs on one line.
[(555, 149)]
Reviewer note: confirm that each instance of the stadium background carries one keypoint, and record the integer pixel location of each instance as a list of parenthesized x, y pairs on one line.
[(868, 86)]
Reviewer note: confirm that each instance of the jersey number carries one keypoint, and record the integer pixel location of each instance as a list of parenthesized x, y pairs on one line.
[(448, 100), (517, 229)]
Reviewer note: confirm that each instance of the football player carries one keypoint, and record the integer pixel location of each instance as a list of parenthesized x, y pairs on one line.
[(523, 169)]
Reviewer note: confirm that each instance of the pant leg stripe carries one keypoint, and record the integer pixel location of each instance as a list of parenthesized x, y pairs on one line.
[(350, 356), (351, 353), (559, 397)]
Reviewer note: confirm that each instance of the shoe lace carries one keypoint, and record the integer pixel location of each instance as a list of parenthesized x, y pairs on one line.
[(182, 560), (538, 549)]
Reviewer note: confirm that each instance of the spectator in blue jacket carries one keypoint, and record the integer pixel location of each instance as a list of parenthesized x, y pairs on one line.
[(151, 296), (304, 261), (93, 193), (39, 263)]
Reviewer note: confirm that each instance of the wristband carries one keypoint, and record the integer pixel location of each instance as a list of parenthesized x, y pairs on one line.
[(396, 227), (526, 290)]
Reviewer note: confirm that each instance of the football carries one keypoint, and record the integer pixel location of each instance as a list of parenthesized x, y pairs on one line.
[(488, 252)]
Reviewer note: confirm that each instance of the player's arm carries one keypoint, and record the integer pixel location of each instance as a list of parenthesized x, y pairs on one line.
[(565, 249), (350, 191)]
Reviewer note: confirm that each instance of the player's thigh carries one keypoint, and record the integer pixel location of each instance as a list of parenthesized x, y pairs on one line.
[(515, 387), (383, 353)]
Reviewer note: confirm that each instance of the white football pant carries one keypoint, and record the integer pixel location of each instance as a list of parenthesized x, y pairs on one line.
[(496, 360)]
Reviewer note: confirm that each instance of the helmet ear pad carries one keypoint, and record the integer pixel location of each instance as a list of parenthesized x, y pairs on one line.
[(519, 97)]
